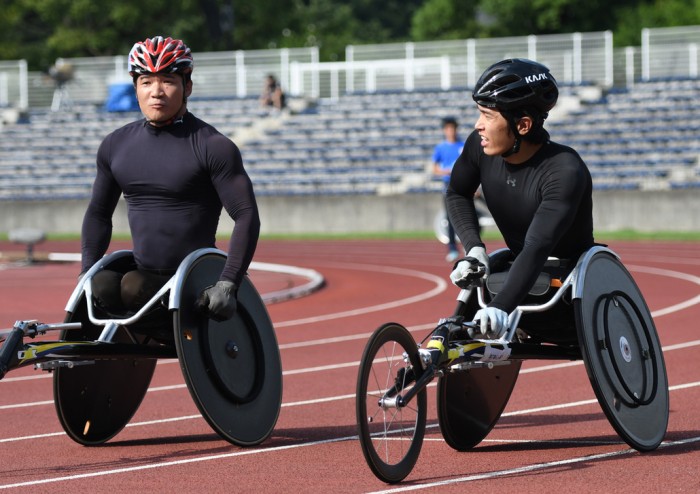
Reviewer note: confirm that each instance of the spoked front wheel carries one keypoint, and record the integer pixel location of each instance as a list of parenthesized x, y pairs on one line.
[(391, 435)]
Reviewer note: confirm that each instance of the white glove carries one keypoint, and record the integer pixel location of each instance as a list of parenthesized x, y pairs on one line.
[(479, 253), (493, 321), (466, 266)]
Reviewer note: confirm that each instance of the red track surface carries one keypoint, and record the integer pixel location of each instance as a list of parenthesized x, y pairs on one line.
[(552, 437)]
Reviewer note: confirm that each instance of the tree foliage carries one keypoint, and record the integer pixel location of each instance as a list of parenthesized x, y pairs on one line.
[(43, 30), (659, 13), (514, 17), (446, 19)]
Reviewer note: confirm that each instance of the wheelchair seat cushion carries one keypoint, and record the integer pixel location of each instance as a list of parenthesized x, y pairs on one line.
[(553, 273), (496, 281)]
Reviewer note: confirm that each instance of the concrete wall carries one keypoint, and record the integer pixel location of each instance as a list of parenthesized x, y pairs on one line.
[(677, 210)]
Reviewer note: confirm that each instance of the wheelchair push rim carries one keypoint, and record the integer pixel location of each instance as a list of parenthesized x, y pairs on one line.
[(622, 353), (391, 437)]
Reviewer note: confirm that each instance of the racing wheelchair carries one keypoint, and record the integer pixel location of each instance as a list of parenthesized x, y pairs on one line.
[(593, 311), (102, 364)]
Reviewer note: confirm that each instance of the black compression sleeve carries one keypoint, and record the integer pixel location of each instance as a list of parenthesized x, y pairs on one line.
[(459, 198), (97, 222), (236, 193)]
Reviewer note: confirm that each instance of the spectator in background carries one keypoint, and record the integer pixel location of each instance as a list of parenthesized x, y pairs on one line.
[(444, 157), (272, 95)]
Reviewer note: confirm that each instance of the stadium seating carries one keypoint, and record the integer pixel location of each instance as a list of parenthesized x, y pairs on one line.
[(53, 156), (642, 137)]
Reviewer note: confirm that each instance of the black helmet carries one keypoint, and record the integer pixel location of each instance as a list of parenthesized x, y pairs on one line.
[(517, 83)]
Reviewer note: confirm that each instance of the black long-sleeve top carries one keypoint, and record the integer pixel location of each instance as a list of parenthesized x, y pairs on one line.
[(175, 180), (542, 207)]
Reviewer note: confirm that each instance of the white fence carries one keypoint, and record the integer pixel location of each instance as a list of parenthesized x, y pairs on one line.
[(670, 52), (14, 84), (574, 59)]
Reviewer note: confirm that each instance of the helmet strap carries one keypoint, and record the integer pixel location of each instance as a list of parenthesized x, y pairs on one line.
[(177, 119), (165, 123), (518, 138)]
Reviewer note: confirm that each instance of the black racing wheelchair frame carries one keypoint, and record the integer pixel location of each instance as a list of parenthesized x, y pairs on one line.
[(102, 365), (613, 334)]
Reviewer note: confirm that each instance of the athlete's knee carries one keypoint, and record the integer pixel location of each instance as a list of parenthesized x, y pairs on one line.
[(137, 288), (106, 290)]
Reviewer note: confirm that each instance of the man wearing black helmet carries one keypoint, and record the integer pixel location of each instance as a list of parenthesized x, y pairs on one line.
[(538, 191)]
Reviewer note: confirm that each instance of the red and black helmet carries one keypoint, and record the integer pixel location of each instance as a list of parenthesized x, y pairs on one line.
[(160, 55)]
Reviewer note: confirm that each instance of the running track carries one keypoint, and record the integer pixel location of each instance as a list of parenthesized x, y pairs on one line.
[(553, 436)]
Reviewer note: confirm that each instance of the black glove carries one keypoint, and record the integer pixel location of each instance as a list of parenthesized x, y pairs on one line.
[(218, 301)]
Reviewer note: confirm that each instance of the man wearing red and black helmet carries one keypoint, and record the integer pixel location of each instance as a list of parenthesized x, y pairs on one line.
[(176, 172), (161, 60), (538, 191)]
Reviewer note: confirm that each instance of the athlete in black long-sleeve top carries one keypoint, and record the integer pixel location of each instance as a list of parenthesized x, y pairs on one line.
[(542, 208), (174, 180), (175, 172), (538, 192)]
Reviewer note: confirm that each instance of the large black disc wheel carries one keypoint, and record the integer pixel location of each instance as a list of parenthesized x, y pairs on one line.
[(232, 368), (622, 353), (391, 436)]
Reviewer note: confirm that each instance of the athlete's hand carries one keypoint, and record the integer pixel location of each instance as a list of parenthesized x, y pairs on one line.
[(218, 301), (494, 322), (476, 258)]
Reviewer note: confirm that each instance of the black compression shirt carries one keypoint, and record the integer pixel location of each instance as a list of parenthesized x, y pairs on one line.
[(175, 180), (542, 207)]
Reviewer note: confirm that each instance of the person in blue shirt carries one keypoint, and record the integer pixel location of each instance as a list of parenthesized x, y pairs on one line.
[(444, 157)]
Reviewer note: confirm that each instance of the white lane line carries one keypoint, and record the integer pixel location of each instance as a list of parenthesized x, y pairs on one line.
[(560, 406), (287, 346), (440, 286), (666, 349), (25, 405), (174, 463), (307, 370), (528, 468), (671, 274), (349, 396), (532, 468), (666, 260), (573, 442), (341, 339)]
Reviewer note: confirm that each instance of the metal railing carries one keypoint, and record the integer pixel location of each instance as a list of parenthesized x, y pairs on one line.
[(14, 84), (574, 58), (670, 52)]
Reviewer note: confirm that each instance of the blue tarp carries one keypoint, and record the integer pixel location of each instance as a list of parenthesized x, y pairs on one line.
[(121, 97)]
